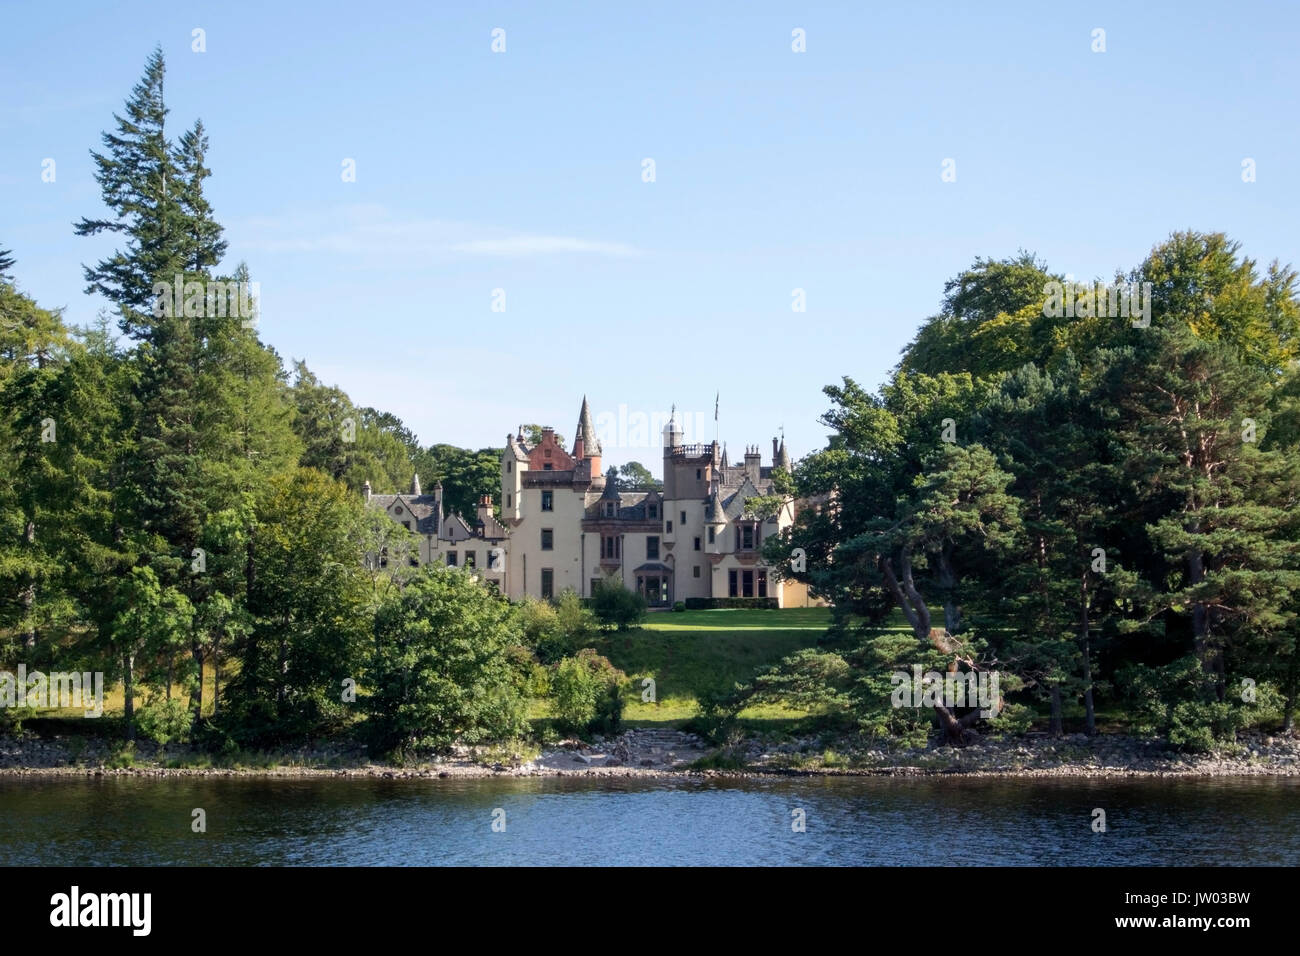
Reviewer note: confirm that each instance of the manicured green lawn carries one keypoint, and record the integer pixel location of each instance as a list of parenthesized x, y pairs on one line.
[(690, 652)]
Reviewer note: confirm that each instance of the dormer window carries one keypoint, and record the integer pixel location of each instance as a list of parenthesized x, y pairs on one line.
[(654, 512)]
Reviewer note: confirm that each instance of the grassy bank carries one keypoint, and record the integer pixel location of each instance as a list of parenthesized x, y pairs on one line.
[(690, 653)]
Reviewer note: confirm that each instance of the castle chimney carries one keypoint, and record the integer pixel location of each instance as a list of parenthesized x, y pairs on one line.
[(776, 450), (365, 489), (752, 462)]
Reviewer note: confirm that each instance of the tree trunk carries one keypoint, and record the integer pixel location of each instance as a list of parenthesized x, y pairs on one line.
[(29, 593), (948, 581), (216, 674), (1057, 725), (128, 687), (196, 650), (1085, 635), (1292, 690)]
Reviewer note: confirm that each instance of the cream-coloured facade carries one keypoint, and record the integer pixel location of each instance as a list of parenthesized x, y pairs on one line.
[(565, 525)]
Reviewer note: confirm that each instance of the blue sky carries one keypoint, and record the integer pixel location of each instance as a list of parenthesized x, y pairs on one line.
[(774, 170)]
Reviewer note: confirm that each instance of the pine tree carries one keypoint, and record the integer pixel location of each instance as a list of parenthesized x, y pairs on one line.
[(1195, 417)]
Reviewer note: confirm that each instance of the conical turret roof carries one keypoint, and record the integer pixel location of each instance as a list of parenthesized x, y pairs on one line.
[(587, 431)]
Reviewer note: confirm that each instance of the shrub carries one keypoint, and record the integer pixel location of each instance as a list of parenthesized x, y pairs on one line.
[(164, 721), (711, 603), (617, 606), (587, 691), (679, 606), (540, 624), (1177, 701), (442, 671), (575, 621), (555, 631)]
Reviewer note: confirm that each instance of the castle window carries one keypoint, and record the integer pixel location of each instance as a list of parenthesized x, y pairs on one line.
[(546, 453), (652, 548), (471, 559), (548, 501), (699, 473), (509, 467), (683, 517), (509, 500), (732, 589), (451, 559), (415, 562), (762, 584), (548, 467), (610, 546), (669, 529), (654, 511), (548, 539), (697, 544), (493, 560), (548, 583), (712, 536), (407, 524)]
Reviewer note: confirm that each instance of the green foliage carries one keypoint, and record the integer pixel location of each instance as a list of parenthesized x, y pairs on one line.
[(1092, 509), (441, 671), (555, 630), (164, 721), (587, 693), (636, 475), (617, 606)]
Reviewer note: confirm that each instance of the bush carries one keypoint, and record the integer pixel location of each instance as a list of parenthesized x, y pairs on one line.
[(587, 691), (679, 606), (617, 606), (442, 670), (575, 621), (164, 721), (1176, 700), (710, 604), (555, 631)]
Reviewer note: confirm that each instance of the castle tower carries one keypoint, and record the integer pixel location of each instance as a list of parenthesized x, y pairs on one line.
[(672, 443), (586, 447)]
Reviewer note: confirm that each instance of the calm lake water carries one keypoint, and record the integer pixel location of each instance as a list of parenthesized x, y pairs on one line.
[(856, 821)]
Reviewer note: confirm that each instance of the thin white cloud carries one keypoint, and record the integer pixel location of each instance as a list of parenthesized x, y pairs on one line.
[(367, 230), (542, 245)]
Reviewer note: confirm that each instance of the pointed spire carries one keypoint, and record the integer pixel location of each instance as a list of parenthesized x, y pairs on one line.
[(586, 432), (717, 514)]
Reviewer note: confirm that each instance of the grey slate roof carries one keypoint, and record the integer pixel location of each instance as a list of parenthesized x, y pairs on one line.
[(422, 508)]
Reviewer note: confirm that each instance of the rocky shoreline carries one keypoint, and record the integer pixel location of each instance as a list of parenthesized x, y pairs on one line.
[(665, 753)]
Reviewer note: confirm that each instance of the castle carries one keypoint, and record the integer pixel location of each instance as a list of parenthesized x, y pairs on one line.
[(565, 525)]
